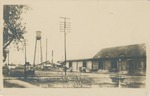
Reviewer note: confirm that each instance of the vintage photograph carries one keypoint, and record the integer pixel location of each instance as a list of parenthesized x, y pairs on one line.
[(74, 45)]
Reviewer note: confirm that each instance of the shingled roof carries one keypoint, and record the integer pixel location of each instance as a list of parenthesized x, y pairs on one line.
[(126, 51)]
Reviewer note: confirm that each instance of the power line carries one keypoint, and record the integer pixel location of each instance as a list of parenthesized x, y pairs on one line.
[(65, 27)]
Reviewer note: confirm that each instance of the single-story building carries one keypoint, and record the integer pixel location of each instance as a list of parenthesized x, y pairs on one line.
[(130, 59), (91, 64)]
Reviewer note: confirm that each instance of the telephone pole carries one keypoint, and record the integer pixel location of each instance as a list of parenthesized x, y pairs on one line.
[(25, 69), (46, 49), (65, 27), (52, 56)]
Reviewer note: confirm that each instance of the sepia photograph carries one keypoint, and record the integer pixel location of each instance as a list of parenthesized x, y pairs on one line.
[(76, 44)]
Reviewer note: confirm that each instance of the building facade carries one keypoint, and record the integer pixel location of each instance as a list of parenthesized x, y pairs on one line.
[(130, 59)]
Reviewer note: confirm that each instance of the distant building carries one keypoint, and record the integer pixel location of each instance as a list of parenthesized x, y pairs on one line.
[(130, 59), (11, 66), (44, 66)]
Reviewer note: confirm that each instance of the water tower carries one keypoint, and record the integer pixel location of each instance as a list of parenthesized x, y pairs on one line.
[(38, 44)]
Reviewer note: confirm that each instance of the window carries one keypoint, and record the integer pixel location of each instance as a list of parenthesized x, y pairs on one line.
[(84, 63)]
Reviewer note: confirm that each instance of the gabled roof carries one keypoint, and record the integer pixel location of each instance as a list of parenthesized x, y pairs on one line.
[(135, 50)]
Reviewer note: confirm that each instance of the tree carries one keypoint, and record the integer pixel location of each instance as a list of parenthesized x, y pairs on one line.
[(14, 28)]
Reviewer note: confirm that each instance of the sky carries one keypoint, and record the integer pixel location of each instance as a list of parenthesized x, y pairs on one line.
[(94, 25)]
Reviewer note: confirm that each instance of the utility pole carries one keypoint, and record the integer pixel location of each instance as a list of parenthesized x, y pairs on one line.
[(7, 51), (8, 55), (65, 27), (35, 53), (46, 49), (41, 51), (25, 70), (52, 56)]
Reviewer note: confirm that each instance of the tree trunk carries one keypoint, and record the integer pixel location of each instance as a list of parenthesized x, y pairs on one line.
[(4, 51)]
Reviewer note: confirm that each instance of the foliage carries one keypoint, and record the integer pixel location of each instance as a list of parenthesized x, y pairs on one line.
[(14, 28)]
